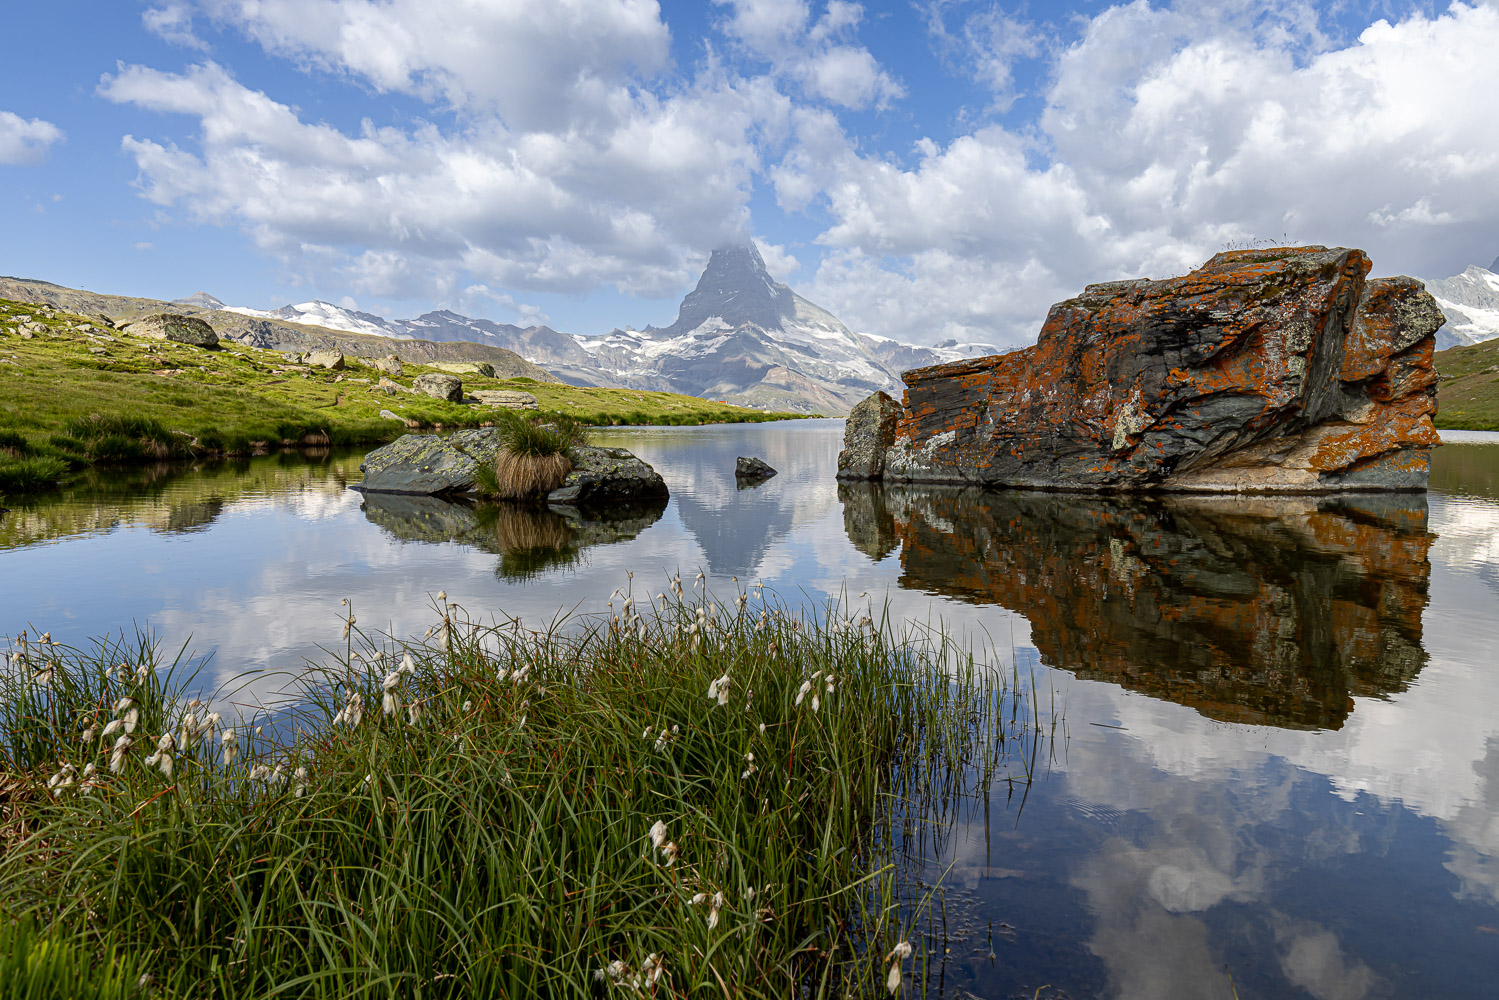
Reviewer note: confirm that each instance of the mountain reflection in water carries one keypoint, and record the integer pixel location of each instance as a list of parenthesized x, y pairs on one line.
[(1267, 610), (529, 539)]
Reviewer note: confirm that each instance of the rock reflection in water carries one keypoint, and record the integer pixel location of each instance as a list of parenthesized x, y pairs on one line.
[(1249, 609), (528, 539)]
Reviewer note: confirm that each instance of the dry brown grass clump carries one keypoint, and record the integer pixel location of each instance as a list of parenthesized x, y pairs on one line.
[(522, 529), (524, 477)]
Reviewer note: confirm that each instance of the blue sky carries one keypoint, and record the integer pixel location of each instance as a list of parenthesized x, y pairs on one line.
[(926, 170)]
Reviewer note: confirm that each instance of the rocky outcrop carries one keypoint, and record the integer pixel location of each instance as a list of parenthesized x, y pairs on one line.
[(1270, 610), (176, 328), (868, 432), (429, 464), (448, 387), (1281, 370), (465, 367), (333, 361), (445, 465), (746, 467), (390, 364), (608, 476), (506, 399)]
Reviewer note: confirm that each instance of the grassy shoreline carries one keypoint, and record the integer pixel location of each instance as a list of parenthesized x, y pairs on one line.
[(80, 394), (678, 797)]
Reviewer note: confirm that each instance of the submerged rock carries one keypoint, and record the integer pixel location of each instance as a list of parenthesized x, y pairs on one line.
[(432, 464), (752, 468), (1279, 370), (607, 476), (176, 328)]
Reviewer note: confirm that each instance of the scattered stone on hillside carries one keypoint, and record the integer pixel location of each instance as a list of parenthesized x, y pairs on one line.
[(464, 367), (26, 335), (752, 468), (175, 327), (387, 415), (1270, 370), (506, 399), (607, 476), (333, 361), (390, 364), (390, 388), (97, 350), (869, 430), (448, 387), (101, 320)]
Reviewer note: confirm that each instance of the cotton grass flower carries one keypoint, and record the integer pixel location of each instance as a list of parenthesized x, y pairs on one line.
[(118, 752), (670, 851), (898, 954), (657, 833), (717, 904), (801, 692), (719, 690), (230, 747), (302, 781)]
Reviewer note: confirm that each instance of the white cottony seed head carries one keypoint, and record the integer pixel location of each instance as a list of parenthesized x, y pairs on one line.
[(658, 834)]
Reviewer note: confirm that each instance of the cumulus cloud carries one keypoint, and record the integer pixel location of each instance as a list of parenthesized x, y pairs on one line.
[(984, 44), (173, 22), (818, 55), (537, 65), (23, 141), (1167, 133), (622, 201)]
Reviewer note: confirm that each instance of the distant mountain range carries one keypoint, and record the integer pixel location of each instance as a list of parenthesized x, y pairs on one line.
[(739, 336), (1470, 301)]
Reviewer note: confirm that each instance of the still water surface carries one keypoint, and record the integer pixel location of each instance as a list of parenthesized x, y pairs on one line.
[(1277, 748)]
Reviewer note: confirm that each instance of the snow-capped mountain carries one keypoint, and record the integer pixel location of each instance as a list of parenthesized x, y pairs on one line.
[(1470, 301), (739, 336), (325, 314)]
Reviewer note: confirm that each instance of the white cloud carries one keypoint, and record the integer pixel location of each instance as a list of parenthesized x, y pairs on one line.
[(143, 246), (986, 45), (622, 201), (536, 65), (1167, 133), (23, 141), (173, 22), (816, 55), (779, 261)]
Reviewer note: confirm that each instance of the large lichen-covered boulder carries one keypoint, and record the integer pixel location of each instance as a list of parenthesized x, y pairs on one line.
[(607, 476), (429, 463), (868, 431), (1278, 370), (175, 327), (448, 387)]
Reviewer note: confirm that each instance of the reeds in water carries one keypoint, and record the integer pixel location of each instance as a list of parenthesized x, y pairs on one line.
[(558, 812)]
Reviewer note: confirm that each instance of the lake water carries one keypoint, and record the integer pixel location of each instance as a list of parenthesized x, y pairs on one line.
[(1277, 720)]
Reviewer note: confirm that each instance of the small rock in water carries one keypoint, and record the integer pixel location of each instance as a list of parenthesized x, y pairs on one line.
[(752, 468)]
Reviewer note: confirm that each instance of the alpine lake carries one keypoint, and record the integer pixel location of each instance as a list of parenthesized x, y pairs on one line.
[(1264, 753)]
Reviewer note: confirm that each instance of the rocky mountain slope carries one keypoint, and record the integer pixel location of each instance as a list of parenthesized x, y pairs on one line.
[(268, 332), (1470, 301), (740, 336)]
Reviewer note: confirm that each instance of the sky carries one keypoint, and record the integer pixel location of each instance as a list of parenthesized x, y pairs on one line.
[(925, 169)]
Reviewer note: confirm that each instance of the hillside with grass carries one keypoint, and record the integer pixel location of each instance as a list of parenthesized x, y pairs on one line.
[(79, 393), (1468, 393)]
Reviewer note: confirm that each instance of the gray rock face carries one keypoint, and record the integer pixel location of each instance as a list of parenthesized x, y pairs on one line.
[(752, 468), (387, 415), (428, 463), (506, 399), (607, 476), (870, 430), (390, 364), (333, 361), (448, 387), (175, 327)]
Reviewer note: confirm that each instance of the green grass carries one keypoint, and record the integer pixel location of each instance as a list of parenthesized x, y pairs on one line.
[(1468, 394), (143, 400), (483, 828)]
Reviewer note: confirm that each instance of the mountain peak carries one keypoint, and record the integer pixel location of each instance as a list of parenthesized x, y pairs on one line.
[(201, 299), (1494, 267), (737, 288)]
